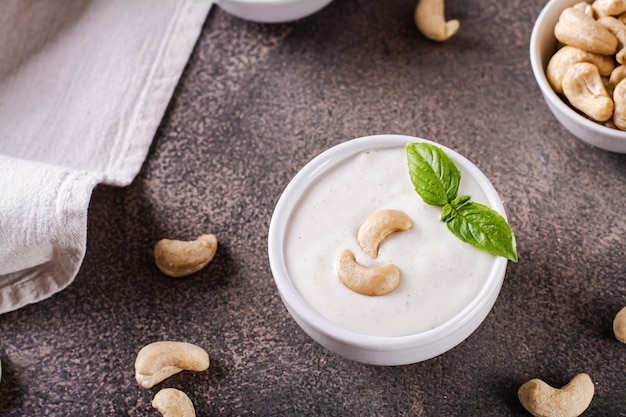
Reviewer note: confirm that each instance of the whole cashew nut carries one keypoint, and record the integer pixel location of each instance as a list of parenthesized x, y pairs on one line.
[(585, 7), (575, 28), (542, 400), (617, 28), (619, 325), (430, 20), (173, 403), (617, 75), (567, 56), (159, 360), (367, 281), (378, 226), (619, 100), (177, 258), (609, 7), (585, 90)]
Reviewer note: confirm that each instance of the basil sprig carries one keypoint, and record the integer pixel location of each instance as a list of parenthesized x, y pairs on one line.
[(436, 179)]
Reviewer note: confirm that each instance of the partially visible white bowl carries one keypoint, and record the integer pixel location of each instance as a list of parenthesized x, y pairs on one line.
[(543, 45), (272, 11), (375, 350)]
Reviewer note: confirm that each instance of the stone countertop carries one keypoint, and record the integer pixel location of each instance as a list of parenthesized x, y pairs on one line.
[(255, 103)]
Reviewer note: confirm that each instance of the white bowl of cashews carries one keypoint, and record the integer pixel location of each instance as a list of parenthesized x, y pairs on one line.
[(575, 53), (272, 11), (446, 287)]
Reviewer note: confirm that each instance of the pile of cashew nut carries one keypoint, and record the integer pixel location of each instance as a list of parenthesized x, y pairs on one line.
[(430, 20), (373, 281), (589, 67), (158, 361)]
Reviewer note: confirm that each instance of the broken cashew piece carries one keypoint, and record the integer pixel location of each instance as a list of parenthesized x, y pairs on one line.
[(173, 403), (430, 20), (177, 258), (585, 90), (380, 225), (567, 56), (366, 281), (575, 28), (542, 400), (619, 325), (159, 360)]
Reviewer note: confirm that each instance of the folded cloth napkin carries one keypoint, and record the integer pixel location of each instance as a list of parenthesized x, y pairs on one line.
[(84, 85)]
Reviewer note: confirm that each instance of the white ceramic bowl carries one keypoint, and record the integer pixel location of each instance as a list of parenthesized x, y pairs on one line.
[(542, 47), (272, 11), (376, 350)]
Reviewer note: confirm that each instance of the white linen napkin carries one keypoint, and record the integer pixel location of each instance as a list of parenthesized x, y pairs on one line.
[(83, 87)]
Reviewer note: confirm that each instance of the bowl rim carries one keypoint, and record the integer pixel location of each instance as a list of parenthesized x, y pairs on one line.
[(552, 8), (292, 298)]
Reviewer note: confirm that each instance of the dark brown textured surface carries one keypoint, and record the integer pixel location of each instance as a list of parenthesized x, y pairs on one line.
[(255, 103)]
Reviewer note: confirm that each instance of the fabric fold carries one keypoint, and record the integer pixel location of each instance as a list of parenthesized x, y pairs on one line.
[(79, 107)]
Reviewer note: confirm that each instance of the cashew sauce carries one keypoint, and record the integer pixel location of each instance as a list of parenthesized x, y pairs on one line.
[(440, 274)]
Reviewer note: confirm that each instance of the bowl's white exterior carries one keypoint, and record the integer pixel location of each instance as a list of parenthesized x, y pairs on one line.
[(272, 11), (542, 47), (367, 349)]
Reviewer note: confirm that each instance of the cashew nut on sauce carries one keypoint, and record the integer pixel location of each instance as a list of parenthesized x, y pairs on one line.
[(542, 400), (171, 402), (367, 281), (430, 20), (178, 258), (158, 361), (378, 226), (593, 33)]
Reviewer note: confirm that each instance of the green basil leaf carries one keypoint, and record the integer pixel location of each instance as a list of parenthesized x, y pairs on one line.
[(434, 175), (482, 227), (448, 212)]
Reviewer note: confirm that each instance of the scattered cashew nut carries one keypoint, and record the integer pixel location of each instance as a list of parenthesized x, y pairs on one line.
[(177, 258), (380, 225), (430, 20), (159, 360), (173, 403), (575, 28), (585, 90), (542, 400), (570, 55), (367, 281), (619, 325)]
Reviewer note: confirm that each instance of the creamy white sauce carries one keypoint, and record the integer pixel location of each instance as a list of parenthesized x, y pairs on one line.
[(440, 274)]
